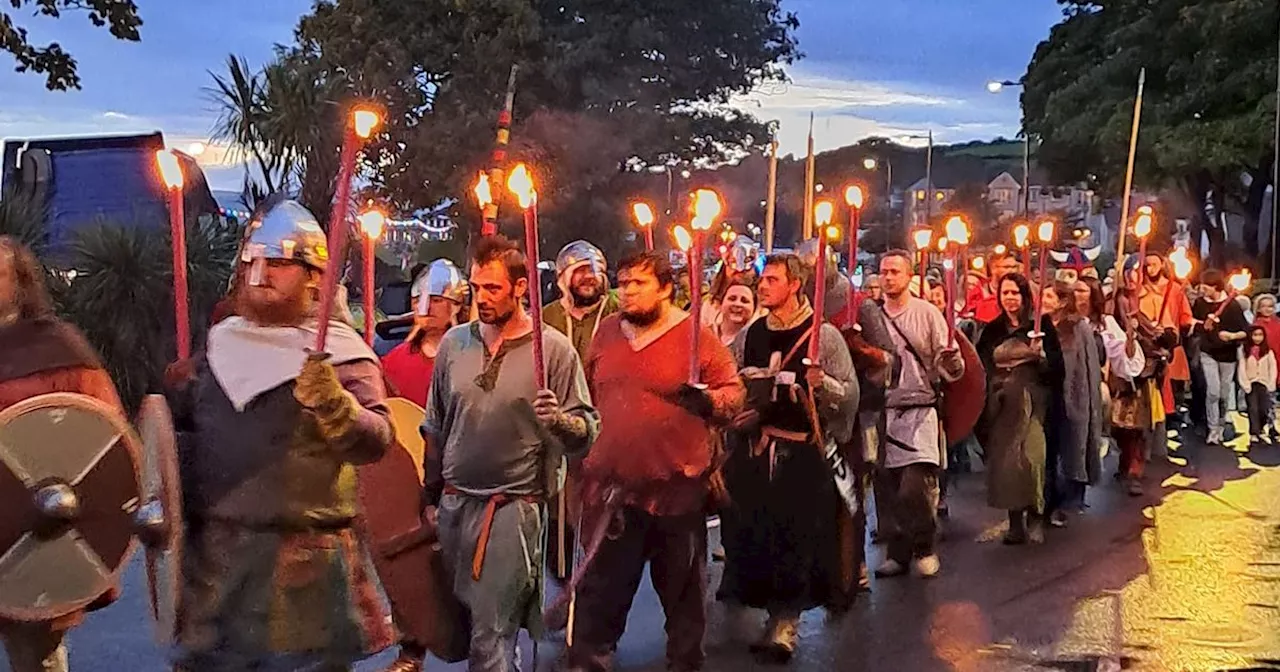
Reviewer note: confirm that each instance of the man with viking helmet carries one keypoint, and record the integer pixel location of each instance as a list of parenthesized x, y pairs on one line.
[(40, 354), (585, 299), (438, 294), (273, 575)]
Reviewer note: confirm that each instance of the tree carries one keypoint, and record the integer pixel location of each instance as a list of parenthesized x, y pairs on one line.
[(604, 88), (120, 17), (1208, 110)]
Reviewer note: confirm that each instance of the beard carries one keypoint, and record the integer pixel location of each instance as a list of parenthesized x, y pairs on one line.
[(495, 315), (284, 310), (585, 296), (643, 318)]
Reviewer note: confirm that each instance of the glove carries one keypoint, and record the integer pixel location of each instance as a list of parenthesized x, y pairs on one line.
[(695, 400), (319, 391)]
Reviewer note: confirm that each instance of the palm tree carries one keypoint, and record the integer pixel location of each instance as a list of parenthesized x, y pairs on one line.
[(240, 97)]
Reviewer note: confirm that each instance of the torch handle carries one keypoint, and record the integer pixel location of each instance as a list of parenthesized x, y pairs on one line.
[(695, 305), (535, 293), (1039, 287), (1164, 302), (181, 301), (338, 229), (951, 302), (368, 290), (648, 238), (819, 293), (1231, 296)]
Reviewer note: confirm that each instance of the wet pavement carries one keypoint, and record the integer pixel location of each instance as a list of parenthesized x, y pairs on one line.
[(1185, 578)]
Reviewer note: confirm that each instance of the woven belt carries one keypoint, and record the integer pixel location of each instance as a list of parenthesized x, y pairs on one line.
[(491, 506)]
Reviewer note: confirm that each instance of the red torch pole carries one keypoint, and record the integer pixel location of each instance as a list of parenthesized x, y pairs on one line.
[(819, 293), (171, 174), (648, 238), (535, 292), (855, 222), (338, 230), (1040, 285), (368, 289), (695, 303)]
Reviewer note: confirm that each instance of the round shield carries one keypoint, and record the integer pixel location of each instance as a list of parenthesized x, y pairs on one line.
[(68, 490), (964, 399)]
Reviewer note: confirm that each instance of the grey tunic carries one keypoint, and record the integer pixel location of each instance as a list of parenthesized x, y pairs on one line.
[(485, 442), (1082, 397)]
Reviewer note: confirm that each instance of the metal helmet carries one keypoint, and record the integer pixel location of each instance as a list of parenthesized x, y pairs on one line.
[(440, 278), (577, 253), (743, 252), (286, 230)]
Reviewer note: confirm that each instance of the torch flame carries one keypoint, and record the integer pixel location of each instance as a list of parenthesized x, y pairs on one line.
[(1240, 281), (1021, 235), (921, 238), (823, 212), (833, 232), (1044, 232), (643, 213), (958, 230), (942, 244), (706, 208), (170, 169), (483, 191), (1142, 225), (1181, 263), (683, 239), (371, 223), (978, 263), (853, 196), (1147, 210), (1001, 249), (521, 184), (364, 121)]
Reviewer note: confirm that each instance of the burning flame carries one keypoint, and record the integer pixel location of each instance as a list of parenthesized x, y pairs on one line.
[(1021, 235), (364, 121), (643, 213), (1044, 232), (1001, 249), (921, 238), (170, 169), (942, 244), (483, 190), (1142, 225), (1240, 281), (979, 263), (958, 230), (853, 196), (1147, 210), (371, 223), (833, 232), (823, 212), (706, 208), (948, 264), (1181, 263), (683, 239), (520, 182)]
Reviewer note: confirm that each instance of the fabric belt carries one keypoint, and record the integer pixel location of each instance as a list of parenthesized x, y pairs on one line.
[(491, 506)]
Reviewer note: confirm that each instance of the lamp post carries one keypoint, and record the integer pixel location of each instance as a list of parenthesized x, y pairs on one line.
[(171, 174), (928, 172), (372, 222), (996, 86), (359, 128), (871, 163)]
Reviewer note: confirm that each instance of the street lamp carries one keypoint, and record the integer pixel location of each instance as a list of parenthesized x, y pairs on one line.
[(996, 86), (928, 172), (869, 163)]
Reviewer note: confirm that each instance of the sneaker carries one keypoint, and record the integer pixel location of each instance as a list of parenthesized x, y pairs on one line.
[(1058, 518), (780, 641), (1214, 438), (928, 566), (890, 568)]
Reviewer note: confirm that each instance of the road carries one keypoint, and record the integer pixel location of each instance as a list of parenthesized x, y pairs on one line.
[(1187, 578)]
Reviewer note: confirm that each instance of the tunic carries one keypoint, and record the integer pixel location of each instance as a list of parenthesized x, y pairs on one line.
[(913, 434), (580, 331), (408, 372), (781, 526), (486, 445), (272, 570)]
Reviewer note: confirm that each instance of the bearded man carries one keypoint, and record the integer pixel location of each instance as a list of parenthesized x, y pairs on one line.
[(495, 440), (40, 354), (274, 577), (652, 466)]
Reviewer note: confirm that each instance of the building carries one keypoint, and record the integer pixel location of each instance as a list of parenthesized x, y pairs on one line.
[(1004, 194)]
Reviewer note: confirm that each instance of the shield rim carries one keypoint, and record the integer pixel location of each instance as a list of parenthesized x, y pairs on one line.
[(131, 443), (155, 408)]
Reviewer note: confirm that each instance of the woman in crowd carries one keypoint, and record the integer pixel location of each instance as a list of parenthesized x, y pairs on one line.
[(1264, 315), (1024, 372), (1079, 432), (1118, 351), (1257, 374), (737, 309), (1136, 405)]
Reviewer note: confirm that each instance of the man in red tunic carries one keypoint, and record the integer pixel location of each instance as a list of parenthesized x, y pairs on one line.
[(648, 473), (438, 294)]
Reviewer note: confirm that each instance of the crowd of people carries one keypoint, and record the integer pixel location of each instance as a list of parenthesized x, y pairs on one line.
[(599, 443)]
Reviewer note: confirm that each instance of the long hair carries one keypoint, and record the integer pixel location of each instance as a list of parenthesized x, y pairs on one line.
[(1097, 303), (1258, 350), (30, 293), (1024, 288), (1066, 294)]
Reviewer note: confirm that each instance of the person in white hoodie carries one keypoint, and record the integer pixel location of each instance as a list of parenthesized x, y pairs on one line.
[(1257, 376)]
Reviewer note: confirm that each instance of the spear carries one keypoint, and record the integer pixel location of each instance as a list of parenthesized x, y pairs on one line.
[(808, 185), (770, 208), (1128, 176), (490, 212)]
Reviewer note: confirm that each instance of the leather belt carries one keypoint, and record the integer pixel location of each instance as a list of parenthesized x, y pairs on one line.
[(491, 506)]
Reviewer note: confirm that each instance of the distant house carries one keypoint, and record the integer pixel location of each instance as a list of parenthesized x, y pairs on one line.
[(1004, 194)]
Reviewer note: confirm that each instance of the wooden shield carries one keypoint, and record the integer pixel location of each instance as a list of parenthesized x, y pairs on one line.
[(163, 488), (68, 491), (405, 548), (963, 400)]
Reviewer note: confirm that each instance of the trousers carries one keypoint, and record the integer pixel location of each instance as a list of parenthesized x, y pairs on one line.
[(1259, 409), (675, 548), (1220, 391), (911, 514)]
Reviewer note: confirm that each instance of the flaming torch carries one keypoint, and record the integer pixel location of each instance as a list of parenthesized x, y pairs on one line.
[(371, 223), (644, 219), (484, 195), (1237, 283), (362, 124), (853, 197), (171, 175), (958, 233), (1181, 271), (823, 212), (706, 208), (1142, 226), (922, 238), (520, 183), (1022, 241), (1044, 234)]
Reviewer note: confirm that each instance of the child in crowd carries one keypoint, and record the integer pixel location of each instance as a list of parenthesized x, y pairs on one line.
[(1257, 375)]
